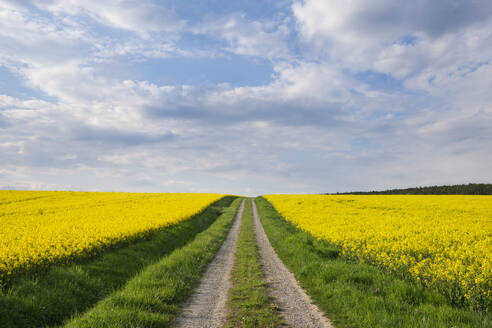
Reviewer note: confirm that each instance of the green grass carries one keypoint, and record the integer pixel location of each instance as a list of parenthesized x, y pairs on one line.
[(153, 297), (354, 294), (249, 302), (42, 299)]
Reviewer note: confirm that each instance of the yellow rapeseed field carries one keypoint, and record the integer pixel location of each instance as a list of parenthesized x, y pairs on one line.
[(41, 227), (440, 240)]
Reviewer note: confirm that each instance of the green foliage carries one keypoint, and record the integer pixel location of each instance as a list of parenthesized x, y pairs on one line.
[(354, 294), (464, 189)]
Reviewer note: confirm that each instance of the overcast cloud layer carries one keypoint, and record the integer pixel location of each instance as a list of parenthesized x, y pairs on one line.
[(245, 97)]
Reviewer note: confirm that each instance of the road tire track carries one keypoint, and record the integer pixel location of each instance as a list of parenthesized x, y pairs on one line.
[(296, 307), (207, 306)]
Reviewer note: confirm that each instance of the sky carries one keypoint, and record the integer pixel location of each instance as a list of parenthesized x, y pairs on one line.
[(244, 97)]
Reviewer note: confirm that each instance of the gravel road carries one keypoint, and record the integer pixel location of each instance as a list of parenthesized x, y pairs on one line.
[(295, 305), (207, 306)]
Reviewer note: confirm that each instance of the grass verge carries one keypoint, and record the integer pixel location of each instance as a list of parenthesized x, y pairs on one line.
[(50, 297), (249, 302), (153, 297), (354, 294)]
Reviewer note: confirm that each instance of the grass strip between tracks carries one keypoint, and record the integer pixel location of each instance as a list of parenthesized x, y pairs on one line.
[(354, 294), (153, 297), (249, 302), (51, 297)]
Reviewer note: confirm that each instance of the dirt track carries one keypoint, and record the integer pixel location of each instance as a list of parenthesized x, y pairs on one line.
[(295, 305), (207, 306)]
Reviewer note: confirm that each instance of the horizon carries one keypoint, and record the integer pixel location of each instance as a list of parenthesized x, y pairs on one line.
[(244, 98), (468, 192)]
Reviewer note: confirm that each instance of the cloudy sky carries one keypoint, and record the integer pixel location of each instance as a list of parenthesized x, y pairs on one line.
[(245, 97)]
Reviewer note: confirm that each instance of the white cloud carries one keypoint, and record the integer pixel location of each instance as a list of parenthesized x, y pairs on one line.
[(398, 38), (141, 17), (249, 37), (442, 48), (29, 38), (362, 22), (316, 127)]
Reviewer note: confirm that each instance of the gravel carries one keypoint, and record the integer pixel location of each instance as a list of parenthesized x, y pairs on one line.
[(207, 306), (296, 307)]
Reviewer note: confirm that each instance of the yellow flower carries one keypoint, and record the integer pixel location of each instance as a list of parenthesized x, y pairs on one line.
[(435, 238), (42, 227)]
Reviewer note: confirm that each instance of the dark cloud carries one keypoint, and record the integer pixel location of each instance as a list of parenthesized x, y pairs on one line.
[(435, 18), (116, 137), (292, 113)]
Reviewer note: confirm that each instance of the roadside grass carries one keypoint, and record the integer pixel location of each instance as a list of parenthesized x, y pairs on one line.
[(249, 302), (354, 294), (47, 298), (153, 297)]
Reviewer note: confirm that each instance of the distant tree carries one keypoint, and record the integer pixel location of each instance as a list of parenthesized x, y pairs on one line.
[(464, 189)]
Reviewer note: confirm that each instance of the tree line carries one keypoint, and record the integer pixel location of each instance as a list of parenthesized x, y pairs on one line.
[(463, 189)]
